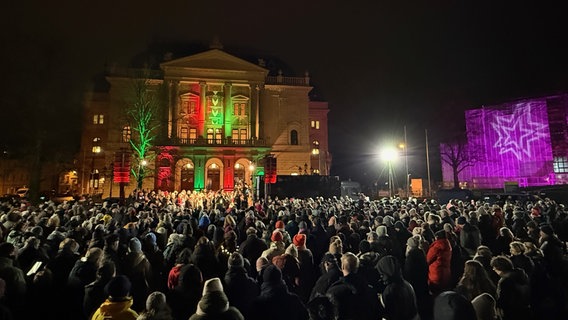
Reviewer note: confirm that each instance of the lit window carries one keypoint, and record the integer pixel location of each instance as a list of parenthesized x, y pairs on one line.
[(126, 134), (315, 124), (192, 134), (243, 136), (560, 164), (96, 145), (98, 119)]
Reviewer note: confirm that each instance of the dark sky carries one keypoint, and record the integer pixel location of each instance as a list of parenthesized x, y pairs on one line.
[(381, 66)]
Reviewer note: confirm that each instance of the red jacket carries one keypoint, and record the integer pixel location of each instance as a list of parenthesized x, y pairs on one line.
[(439, 259)]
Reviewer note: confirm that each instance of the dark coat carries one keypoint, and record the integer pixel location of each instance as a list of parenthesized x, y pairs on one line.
[(252, 248), (325, 281), (354, 298), (240, 289), (470, 238), (277, 303), (398, 298), (513, 295), (94, 296), (214, 305), (139, 271)]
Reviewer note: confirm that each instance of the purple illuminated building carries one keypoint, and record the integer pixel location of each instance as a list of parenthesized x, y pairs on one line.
[(522, 142)]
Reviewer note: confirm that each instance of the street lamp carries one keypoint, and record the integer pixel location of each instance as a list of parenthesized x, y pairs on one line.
[(389, 155)]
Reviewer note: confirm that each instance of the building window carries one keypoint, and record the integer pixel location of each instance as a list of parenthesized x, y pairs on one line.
[(209, 135), (315, 124), (560, 164), (96, 145), (243, 136), (218, 136), (294, 137), (192, 134), (183, 133), (235, 135), (99, 119), (126, 134)]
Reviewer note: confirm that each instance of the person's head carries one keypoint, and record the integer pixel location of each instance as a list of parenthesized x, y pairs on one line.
[(506, 232), (501, 265), (450, 305), (94, 255), (517, 248), (349, 263), (7, 250), (118, 288), (474, 270), (328, 261), (484, 305), (106, 270)]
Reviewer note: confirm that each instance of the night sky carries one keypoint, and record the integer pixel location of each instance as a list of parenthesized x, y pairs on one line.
[(381, 66)]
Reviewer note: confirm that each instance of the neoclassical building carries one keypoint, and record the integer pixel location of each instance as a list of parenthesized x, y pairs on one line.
[(222, 116)]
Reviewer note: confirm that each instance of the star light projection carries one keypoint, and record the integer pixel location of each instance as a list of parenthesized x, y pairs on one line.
[(518, 131), (512, 142)]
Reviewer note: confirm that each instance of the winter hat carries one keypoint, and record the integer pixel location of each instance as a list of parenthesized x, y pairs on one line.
[(413, 242), (236, 260), (212, 285), (279, 224), (390, 268), (203, 222), (547, 229), (450, 305), (484, 306), (299, 240), (364, 246), (276, 236), (151, 238), (461, 220), (214, 300), (400, 225), (118, 287), (382, 231), (135, 245), (272, 275), (155, 301), (448, 227), (261, 262)]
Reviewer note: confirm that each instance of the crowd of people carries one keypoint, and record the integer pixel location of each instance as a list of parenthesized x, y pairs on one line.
[(222, 255)]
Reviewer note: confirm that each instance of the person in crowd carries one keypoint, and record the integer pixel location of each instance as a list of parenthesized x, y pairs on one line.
[(156, 308), (470, 236), (119, 302), (351, 294), (239, 287), (139, 271), (519, 259), (94, 292), (398, 300), (484, 306), (275, 301), (277, 246), (14, 279), (475, 281), (450, 305), (439, 264), (183, 259), (330, 274), (252, 248), (513, 290), (183, 299), (307, 268)]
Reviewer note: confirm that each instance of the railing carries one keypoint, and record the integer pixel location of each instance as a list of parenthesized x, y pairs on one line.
[(290, 81), (221, 142)]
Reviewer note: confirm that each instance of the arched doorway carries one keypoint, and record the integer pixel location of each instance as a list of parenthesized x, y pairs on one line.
[(240, 173), (186, 177), (213, 181)]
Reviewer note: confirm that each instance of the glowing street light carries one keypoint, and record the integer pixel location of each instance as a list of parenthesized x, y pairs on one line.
[(389, 155)]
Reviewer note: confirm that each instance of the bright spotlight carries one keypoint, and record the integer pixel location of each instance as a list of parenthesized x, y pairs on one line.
[(389, 154)]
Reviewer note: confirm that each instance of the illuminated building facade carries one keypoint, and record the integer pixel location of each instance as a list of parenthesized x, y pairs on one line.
[(222, 116), (522, 141)]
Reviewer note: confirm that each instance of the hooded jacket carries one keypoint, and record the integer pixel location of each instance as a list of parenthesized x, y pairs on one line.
[(439, 264), (116, 310), (398, 300)]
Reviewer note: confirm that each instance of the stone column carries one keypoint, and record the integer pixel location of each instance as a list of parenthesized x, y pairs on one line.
[(228, 113), (174, 101), (202, 110)]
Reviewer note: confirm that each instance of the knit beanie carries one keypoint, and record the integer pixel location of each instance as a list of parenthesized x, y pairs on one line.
[(118, 287), (151, 238), (272, 275), (236, 260), (213, 299), (155, 301), (382, 231), (135, 245), (276, 236), (461, 220), (279, 224), (413, 242), (547, 229), (299, 240)]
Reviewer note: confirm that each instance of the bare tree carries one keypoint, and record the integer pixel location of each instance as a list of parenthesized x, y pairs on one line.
[(459, 154)]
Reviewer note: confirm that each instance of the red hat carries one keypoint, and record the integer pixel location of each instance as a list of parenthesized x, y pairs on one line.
[(276, 236), (279, 224), (299, 240)]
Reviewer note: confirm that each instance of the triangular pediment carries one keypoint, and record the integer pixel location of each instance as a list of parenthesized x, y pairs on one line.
[(214, 59)]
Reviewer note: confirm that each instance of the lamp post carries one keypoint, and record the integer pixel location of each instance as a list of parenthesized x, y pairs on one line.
[(141, 167), (94, 176), (389, 155)]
